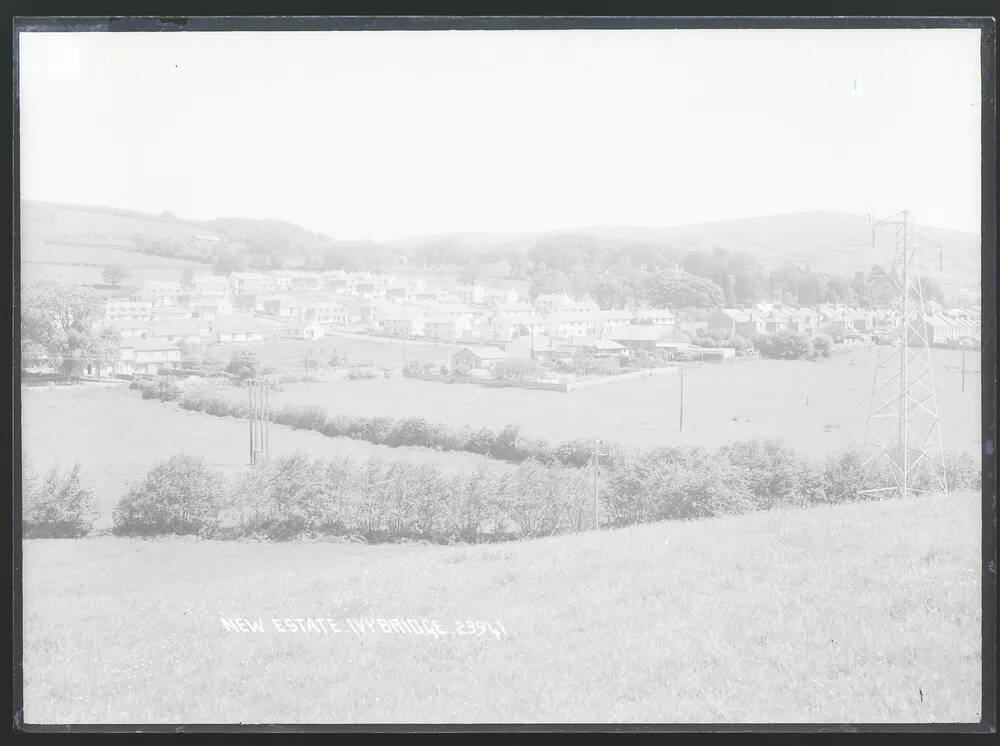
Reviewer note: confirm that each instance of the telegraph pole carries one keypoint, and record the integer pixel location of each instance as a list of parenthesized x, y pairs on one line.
[(259, 419), (963, 370)]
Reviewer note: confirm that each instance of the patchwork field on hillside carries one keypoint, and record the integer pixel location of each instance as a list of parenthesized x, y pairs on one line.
[(859, 613), (48, 252)]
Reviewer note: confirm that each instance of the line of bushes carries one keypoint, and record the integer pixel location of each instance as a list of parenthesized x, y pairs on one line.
[(507, 445), (296, 496)]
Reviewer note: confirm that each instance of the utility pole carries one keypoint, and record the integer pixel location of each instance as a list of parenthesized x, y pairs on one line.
[(963, 369), (259, 419), (903, 431), (597, 453)]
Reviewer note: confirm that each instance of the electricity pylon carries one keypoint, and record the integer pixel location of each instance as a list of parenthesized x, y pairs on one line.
[(903, 444)]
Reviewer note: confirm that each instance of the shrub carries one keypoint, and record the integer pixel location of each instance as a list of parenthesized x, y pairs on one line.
[(178, 496), (373, 429), (309, 417), (281, 499), (722, 338), (337, 426), (784, 345), (57, 505), (410, 431), (964, 471), (505, 444), (468, 497), (518, 370), (214, 406), (363, 373), (244, 364), (844, 477), (481, 442), (822, 344), (575, 452), (773, 473), (534, 499), (699, 486)]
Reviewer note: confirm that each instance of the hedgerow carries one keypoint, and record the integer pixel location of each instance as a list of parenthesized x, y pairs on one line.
[(294, 496), (506, 445)]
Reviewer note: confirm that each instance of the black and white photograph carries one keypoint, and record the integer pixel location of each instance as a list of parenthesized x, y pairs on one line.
[(490, 374)]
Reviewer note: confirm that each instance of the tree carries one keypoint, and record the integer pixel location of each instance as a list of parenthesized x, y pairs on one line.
[(226, 264), (784, 345), (59, 319), (244, 364), (681, 291), (518, 264), (609, 292), (881, 288), (470, 273), (932, 289), (310, 364), (113, 274), (547, 282), (822, 344), (103, 345)]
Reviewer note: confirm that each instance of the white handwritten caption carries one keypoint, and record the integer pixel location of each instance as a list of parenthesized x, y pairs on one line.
[(366, 626)]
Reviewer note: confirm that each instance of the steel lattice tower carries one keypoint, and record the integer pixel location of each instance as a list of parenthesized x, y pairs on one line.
[(903, 446)]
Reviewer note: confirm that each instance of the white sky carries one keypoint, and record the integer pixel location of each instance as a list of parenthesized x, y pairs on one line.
[(389, 134)]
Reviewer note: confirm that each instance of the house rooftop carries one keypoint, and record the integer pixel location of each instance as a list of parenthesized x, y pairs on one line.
[(595, 342), (148, 345), (637, 333), (485, 353)]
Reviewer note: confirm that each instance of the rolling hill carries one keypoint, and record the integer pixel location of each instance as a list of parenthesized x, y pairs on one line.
[(832, 242)]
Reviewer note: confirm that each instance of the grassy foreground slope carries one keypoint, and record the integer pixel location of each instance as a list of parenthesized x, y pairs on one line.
[(866, 612)]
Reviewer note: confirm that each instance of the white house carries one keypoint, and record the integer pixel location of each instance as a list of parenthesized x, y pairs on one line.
[(161, 292), (128, 310), (566, 324), (148, 356)]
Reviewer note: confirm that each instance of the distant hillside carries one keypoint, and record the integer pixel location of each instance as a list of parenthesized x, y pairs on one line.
[(72, 243), (832, 242), (271, 234)]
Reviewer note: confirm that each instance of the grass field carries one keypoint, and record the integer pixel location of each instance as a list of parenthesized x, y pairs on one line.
[(117, 437), (360, 348), (42, 260), (856, 613), (818, 407)]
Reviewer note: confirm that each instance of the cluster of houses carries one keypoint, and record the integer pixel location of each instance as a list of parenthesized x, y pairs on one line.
[(854, 325), (163, 318)]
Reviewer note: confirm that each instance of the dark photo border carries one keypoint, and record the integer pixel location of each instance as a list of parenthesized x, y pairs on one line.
[(988, 56)]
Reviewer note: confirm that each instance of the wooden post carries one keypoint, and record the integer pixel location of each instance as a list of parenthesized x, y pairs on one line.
[(963, 370)]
